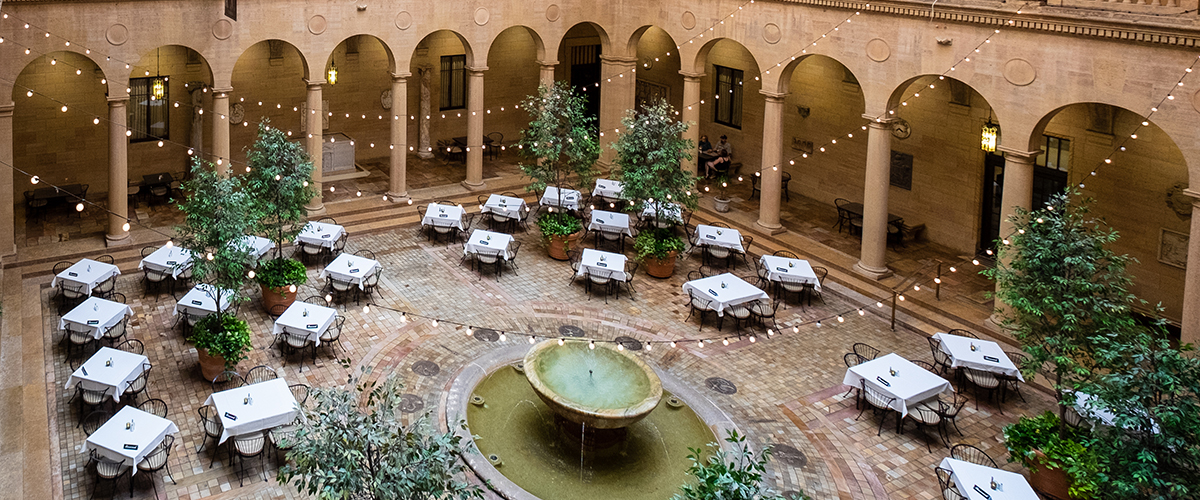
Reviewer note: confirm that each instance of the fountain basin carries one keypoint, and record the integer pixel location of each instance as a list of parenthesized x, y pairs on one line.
[(598, 388)]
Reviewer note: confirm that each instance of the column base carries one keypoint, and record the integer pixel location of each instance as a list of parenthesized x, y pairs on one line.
[(399, 198), (112, 240), (474, 187), (424, 155), (315, 210), (992, 324), (872, 272), (772, 229)]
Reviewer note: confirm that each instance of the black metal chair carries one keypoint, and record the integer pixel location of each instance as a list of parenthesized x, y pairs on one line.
[(300, 392), (493, 258), (865, 351), (95, 420), (283, 437), (249, 446), (968, 453), (116, 333), (138, 385), (106, 288), (497, 146), (878, 403), (1012, 381), (703, 305), (511, 260), (631, 267), (851, 359), (341, 288), (949, 410), (132, 345), (106, 259), (227, 380), (947, 486), (792, 284), (844, 216), (983, 382), (156, 407), (297, 343), (77, 337), (811, 289), (213, 428), (963, 333), (924, 416), (91, 398), (333, 334), (260, 373), (157, 460), (602, 278), (108, 470), (940, 358), (925, 365)]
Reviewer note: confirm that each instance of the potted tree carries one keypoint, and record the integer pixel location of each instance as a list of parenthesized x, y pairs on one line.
[(721, 197), (277, 183), (559, 143), (217, 213), (649, 153), (1056, 455)]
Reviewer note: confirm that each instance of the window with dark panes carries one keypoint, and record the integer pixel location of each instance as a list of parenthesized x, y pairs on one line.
[(454, 82), (148, 113), (728, 102)]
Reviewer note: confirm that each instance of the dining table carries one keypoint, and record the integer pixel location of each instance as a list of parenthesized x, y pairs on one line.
[(569, 199), (899, 378), (777, 267), (718, 236), (608, 188), (87, 273), (856, 208), (724, 290), (488, 240), (600, 261), (322, 234), (95, 316), (444, 216), (350, 268), (109, 369), (201, 300), (983, 355), (304, 319), (129, 436), (170, 259), (980, 482), (254, 408)]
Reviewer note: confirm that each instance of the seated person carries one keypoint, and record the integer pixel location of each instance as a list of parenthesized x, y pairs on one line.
[(703, 146), (723, 146), (718, 165)]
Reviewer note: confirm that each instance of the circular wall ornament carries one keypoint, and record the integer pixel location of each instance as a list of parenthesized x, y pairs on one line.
[(237, 113), (117, 34), (552, 12), (317, 24), (901, 129), (771, 33), (688, 20), (385, 99), (222, 29), (482, 16), (403, 20), (1019, 72), (878, 50)]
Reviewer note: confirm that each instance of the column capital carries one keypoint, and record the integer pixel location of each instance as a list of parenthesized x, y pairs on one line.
[(314, 84), (221, 91), (878, 123), (400, 76), (7, 109), (1018, 153), (476, 70), (548, 63), (618, 60), (773, 96), (121, 100), (692, 74), (1195, 195)]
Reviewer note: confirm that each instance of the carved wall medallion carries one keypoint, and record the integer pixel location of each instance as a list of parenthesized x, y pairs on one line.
[(385, 99)]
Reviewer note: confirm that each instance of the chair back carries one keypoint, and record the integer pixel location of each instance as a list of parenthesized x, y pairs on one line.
[(107, 259), (631, 267), (785, 254), (295, 341), (875, 398), (946, 484), (699, 302), (599, 276), (249, 445), (132, 345), (968, 453), (210, 421), (154, 407), (60, 267), (963, 333), (852, 360), (925, 364), (94, 420), (300, 392), (227, 380), (865, 350), (340, 285), (108, 468), (261, 373), (488, 256), (157, 459), (73, 290), (365, 253), (950, 409), (327, 220)]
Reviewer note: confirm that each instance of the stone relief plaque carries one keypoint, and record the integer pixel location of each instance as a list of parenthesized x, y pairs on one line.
[(902, 165), (1173, 248)]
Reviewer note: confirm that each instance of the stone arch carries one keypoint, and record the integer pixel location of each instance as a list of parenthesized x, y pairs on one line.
[(606, 46), (538, 43), (699, 64), (789, 70), (357, 38), (658, 63), (268, 81), (97, 67), (466, 45)]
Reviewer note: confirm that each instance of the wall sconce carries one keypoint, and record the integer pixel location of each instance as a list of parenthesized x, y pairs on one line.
[(991, 132), (803, 111), (332, 75)]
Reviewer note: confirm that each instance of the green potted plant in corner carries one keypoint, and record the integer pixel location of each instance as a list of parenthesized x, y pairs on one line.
[(217, 213), (278, 187), (559, 143), (649, 153), (1056, 454), (733, 473)]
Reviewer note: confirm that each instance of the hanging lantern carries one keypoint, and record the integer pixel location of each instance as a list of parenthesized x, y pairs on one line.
[(158, 89), (332, 75), (990, 133)]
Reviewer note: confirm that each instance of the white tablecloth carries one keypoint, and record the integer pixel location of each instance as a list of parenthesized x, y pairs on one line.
[(93, 373), (88, 273), (487, 240), (271, 405), (911, 385), (736, 291), (719, 236), (349, 267), (504, 205), (302, 318), (1010, 485), (959, 349), (321, 234), (613, 262), (608, 189), (146, 432), (612, 221), (570, 198), (444, 216), (795, 268), (257, 244), (95, 315), (672, 211), (200, 300), (168, 259)]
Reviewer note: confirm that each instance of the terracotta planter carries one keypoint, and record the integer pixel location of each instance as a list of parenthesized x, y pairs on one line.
[(721, 205), (210, 366), (1050, 481), (557, 249), (272, 297), (661, 268)]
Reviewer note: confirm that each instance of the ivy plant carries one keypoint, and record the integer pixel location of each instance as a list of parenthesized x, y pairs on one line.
[(728, 475)]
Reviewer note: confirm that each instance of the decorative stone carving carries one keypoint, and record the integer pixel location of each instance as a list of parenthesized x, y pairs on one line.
[(237, 113), (222, 29), (1178, 201), (688, 20), (878, 50), (1019, 72), (482, 16), (117, 34), (553, 12), (403, 20), (385, 99), (423, 119), (317, 24), (771, 33)]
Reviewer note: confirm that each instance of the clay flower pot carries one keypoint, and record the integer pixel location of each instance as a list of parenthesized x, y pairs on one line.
[(272, 297), (210, 366), (661, 268), (1051, 481), (558, 246)]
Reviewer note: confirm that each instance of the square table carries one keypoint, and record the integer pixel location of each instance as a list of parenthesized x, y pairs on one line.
[(911, 384), (672, 211), (735, 291), (599, 260), (302, 318), (444, 216), (350, 267), (116, 442), (719, 236), (60, 192), (254, 408), (201, 300), (160, 179), (258, 245), (96, 373), (987, 356), (966, 475), (570, 198), (322, 234), (487, 240), (87, 273), (504, 205), (800, 269), (168, 259), (611, 220), (608, 189), (856, 208), (95, 316)]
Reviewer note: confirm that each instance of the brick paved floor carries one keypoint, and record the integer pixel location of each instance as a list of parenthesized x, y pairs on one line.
[(788, 387)]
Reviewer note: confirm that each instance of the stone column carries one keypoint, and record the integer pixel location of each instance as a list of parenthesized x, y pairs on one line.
[(617, 85), (546, 75), (398, 174), (315, 142), (7, 221), (1018, 185), (118, 171), (1191, 285), (220, 149), (772, 173), (474, 179), (872, 262), (424, 151), (690, 114)]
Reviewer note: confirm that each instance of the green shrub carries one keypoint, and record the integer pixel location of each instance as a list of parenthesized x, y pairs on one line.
[(1063, 448), (279, 273), (657, 243), (223, 335)]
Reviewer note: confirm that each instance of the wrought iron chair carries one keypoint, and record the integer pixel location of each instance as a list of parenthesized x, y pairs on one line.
[(261, 373), (109, 470), (157, 460), (213, 428), (249, 446), (227, 380), (701, 305), (924, 416), (878, 402), (968, 453), (132, 345), (155, 407), (864, 350)]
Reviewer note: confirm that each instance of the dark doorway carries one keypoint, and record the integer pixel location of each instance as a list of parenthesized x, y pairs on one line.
[(585, 75), (992, 210)]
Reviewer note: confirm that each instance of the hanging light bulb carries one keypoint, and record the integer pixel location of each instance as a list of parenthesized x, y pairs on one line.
[(79, 207), (170, 243), (332, 74), (434, 323), (250, 274), (648, 347), (591, 344), (35, 179), (672, 343), (503, 337), (125, 227), (725, 341), (531, 339), (367, 309), (560, 341), (291, 288)]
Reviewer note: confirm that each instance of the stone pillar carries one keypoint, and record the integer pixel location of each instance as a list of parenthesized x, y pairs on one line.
[(617, 85), (315, 142), (7, 221), (398, 174), (1191, 285), (772, 172), (424, 151), (1018, 185), (118, 171), (220, 148), (474, 179), (546, 75), (691, 114), (872, 262)]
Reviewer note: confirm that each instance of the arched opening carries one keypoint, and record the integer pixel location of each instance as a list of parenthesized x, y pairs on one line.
[(513, 74), (731, 103), (657, 67), (579, 61), (267, 82), (168, 87), (437, 102), (358, 83)]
